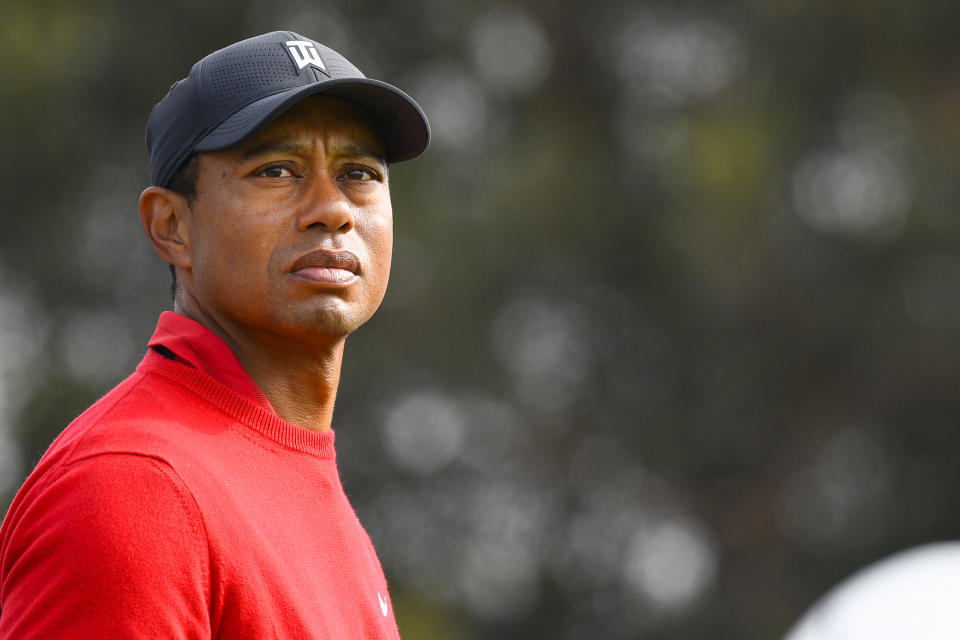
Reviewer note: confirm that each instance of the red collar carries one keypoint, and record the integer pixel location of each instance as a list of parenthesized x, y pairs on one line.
[(195, 345)]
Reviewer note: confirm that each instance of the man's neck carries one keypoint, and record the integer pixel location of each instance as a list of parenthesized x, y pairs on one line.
[(301, 386), (299, 380)]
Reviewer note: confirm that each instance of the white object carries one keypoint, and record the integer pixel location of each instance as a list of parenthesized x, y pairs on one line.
[(913, 594)]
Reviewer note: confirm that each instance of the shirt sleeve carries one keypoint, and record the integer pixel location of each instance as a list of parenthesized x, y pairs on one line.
[(112, 548)]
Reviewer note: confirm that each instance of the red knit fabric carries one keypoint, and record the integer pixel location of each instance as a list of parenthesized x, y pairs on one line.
[(194, 344), (177, 508)]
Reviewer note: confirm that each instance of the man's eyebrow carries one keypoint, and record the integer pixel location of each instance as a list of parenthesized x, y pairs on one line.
[(275, 146), (360, 150), (292, 147)]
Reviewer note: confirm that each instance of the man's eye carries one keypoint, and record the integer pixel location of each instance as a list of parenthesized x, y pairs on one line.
[(360, 173), (276, 172)]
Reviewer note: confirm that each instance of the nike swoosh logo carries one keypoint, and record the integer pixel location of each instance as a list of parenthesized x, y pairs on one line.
[(383, 603)]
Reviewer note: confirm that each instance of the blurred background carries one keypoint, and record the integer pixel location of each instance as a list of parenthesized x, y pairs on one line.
[(672, 340)]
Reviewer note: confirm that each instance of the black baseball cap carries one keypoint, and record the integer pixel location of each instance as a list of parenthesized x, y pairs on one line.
[(236, 91)]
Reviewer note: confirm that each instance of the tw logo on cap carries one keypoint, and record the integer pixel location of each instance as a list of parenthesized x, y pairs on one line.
[(305, 54)]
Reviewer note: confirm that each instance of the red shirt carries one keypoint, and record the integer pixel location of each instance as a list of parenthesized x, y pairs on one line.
[(177, 508)]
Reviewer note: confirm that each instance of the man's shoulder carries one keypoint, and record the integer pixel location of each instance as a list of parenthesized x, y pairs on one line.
[(93, 530), (145, 423), (145, 415)]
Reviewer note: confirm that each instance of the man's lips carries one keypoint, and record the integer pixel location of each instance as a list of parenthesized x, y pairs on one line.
[(327, 267)]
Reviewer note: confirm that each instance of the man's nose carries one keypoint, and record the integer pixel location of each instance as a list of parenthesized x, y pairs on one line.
[(326, 206)]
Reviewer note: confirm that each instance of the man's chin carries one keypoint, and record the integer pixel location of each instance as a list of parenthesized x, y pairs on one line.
[(326, 324), (320, 319)]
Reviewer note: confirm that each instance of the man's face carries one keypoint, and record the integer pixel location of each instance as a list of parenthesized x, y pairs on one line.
[(291, 232)]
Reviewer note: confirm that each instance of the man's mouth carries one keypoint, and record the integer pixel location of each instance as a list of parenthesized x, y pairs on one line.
[(327, 267)]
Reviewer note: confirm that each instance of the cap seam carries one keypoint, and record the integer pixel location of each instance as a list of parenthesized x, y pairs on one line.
[(198, 92)]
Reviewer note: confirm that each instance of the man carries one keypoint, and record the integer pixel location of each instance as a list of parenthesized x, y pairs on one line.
[(200, 498)]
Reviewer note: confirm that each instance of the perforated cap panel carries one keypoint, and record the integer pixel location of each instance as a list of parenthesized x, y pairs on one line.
[(241, 74)]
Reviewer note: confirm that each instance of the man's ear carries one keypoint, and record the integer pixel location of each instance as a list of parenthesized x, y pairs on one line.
[(165, 216)]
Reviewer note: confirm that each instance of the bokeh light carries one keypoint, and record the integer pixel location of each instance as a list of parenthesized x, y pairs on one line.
[(670, 563), (423, 432), (456, 103), (670, 60), (510, 51), (542, 346)]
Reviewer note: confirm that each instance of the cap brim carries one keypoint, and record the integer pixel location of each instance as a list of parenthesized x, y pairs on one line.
[(405, 130)]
